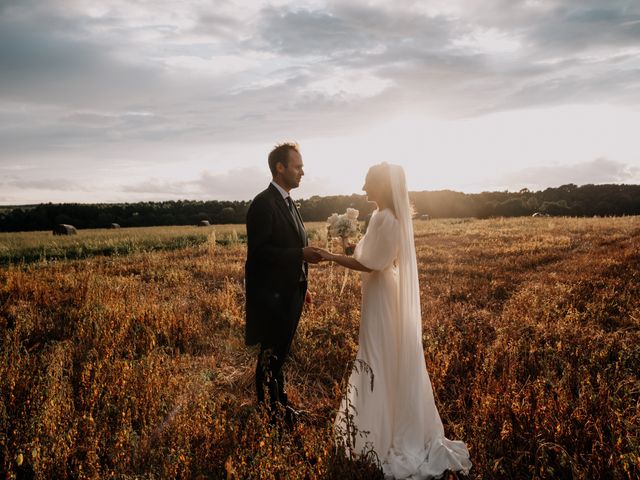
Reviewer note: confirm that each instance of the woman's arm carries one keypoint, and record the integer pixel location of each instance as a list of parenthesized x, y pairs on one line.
[(344, 260)]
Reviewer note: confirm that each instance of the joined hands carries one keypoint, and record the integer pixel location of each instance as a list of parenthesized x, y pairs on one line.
[(311, 255), (316, 255)]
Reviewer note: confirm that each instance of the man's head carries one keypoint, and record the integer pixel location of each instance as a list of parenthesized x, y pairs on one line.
[(285, 163)]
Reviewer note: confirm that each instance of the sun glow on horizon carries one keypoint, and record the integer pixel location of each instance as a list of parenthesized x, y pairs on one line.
[(497, 151), (472, 154)]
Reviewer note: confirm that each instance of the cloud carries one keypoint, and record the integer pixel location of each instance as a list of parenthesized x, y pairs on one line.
[(84, 82), (598, 171), (577, 26), (235, 184), (51, 60), (52, 184), (471, 61), (205, 73), (75, 55)]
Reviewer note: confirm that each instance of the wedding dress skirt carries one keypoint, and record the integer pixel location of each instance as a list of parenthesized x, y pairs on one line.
[(397, 418)]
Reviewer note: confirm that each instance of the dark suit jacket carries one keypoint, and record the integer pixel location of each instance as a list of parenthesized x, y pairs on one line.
[(273, 268)]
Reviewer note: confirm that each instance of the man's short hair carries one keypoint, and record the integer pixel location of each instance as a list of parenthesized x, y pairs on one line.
[(280, 154)]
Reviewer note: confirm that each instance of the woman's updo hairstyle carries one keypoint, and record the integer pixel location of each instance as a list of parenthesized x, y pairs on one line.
[(379, 174)]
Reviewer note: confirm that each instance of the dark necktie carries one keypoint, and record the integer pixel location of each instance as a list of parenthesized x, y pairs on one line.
[(296, 218), (301, 233)]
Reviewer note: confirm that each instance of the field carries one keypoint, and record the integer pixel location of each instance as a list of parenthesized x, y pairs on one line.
[(27, 247), (131, 364)]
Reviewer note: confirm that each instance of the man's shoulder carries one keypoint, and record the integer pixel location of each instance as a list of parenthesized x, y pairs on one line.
[(263, 199), (264, 195), (267, 192)]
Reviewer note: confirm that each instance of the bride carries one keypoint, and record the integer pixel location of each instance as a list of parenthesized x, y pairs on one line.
[(397, 418)]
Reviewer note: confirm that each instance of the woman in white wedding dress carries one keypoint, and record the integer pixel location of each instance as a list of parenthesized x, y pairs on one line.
[(399, 414)]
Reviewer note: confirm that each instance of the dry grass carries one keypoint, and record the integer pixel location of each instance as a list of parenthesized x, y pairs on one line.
[(27, 247), (134, 366)]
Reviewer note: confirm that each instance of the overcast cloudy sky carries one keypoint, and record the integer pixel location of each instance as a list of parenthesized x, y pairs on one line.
[(150, 100)]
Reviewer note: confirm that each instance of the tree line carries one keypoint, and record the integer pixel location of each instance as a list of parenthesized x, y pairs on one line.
[(566, 200)]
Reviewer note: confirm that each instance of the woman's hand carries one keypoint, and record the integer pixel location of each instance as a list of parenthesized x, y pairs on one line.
[(343, 260)]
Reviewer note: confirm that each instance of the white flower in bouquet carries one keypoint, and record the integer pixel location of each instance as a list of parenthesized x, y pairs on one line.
[(352, 214), (344, 226)]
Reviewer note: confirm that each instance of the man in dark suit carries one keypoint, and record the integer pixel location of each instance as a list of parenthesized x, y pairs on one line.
[(276, 275)]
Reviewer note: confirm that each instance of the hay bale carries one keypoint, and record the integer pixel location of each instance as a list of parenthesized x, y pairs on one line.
[(64, 229), (114, 225), (204, 223)]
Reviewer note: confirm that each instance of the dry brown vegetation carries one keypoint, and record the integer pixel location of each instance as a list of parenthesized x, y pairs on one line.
[(134, 366), (27, 247)]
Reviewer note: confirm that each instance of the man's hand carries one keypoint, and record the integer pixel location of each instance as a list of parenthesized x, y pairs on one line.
[(311, 255)]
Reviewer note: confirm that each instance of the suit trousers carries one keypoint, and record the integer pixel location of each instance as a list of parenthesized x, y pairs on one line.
[(274, 353)]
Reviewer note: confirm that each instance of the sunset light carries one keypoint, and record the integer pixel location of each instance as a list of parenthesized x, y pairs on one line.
[(130, 102)]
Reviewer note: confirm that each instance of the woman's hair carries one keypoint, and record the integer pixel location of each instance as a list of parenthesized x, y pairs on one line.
[(380, 174)]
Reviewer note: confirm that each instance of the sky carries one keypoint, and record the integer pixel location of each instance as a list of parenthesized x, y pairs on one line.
[(135, 100)]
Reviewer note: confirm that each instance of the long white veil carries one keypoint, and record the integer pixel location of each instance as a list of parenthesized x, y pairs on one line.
[(419, 447), (410, 350), (407, 264)]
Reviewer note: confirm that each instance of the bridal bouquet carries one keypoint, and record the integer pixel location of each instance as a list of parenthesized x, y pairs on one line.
[(344, 227)]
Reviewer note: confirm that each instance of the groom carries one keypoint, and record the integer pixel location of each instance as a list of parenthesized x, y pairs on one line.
[(276, 275)]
